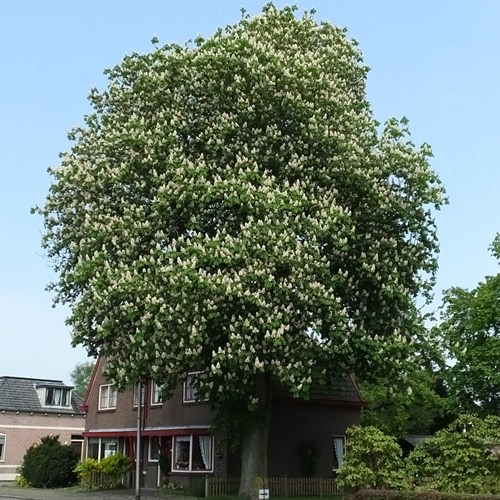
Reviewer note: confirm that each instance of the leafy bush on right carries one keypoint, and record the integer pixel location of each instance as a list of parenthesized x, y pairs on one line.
[(462, 458)]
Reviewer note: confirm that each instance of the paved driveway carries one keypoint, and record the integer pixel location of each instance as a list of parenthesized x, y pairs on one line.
[(11, 492)]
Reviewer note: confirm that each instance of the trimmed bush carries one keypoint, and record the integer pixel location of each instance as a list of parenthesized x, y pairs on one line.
[(49, 464), (106, 474)]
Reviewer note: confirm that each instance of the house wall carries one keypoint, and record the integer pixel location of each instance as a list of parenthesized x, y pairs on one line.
[(294, 423), (173, 412), (24, 429)]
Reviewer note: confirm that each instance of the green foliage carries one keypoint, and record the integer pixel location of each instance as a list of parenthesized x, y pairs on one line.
[(418, 404), (20, 480), (471, 332), (80, 376), (373, 460), (225, 200), (49, 464), (233, 205), (105, 474), (460, 458), (417, 495)]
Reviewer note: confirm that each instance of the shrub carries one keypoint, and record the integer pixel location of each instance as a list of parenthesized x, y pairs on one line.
[(49, 464), (373, 460), (460, 458), (106, 474)]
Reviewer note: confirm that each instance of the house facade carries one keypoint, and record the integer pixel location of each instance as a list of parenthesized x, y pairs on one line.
[(31, 409), (176, 434)]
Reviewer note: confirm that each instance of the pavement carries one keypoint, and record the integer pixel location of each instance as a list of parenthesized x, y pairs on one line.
[(12, 492)]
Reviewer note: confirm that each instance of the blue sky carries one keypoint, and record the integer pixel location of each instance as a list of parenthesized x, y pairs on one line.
[(436, 62)]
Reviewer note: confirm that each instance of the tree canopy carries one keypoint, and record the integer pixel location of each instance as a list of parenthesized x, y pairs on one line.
[(233, 205), (80, 377), (418, 404), (471, 332)]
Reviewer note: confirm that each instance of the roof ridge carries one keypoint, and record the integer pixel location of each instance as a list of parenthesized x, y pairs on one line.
[(37, 379)]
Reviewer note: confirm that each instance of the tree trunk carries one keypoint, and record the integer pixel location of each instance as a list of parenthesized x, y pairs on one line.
[(254, 443)]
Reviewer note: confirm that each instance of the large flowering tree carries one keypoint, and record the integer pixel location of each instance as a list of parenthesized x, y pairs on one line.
[(232, 205)]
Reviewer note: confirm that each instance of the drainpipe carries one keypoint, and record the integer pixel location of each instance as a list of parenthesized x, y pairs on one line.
[(138, 451)]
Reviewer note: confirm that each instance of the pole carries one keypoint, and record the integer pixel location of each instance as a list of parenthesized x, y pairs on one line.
[(138, 451)]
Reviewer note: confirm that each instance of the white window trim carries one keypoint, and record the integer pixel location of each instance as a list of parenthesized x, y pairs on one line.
[(155, 403), (111, 387), (2, 455), (150, 440), (45, 394), (119, 449), (135, 395), (184, 389)]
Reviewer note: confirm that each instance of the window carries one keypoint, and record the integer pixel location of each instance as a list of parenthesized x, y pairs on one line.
[(156, 396), (193, 453), (154, 449), (57, 397), (107, 397), (109, 447), (190, 392), (338, 451), (100, 448), (136, 394), (2, 447)]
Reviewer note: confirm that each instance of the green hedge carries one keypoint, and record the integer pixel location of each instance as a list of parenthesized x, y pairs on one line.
[(418, 495)]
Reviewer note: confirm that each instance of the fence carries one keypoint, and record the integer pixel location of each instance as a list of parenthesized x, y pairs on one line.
[(101, 480), (278, 486)]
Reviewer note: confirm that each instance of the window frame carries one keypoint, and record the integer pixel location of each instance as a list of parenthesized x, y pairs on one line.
[(190, 469), (135, 401), (3, 446), (112, 396), (194, 392), (150, 441), (64, 394), (99, 443), (344, 442), (156, 391)]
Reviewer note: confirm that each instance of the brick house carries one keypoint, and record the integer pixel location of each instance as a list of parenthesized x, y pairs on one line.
[(31, 409), (177, 437)]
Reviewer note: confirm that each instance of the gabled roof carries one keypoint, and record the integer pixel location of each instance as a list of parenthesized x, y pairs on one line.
[(20, 394)]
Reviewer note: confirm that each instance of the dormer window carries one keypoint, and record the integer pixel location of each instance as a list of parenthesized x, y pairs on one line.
[(54, 396), (57, 397)]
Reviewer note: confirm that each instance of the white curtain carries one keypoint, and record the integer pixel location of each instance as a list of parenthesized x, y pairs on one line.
[(338, 447), (206, 451)]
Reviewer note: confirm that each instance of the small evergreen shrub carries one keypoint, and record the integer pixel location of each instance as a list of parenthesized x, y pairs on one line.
[(49, 464)]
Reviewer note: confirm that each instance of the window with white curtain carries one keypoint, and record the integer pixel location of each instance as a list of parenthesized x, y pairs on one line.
[(193, 453), (338, 451)]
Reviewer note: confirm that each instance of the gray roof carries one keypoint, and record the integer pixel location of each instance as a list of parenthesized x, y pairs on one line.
[(341, 389), (19, 394)]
